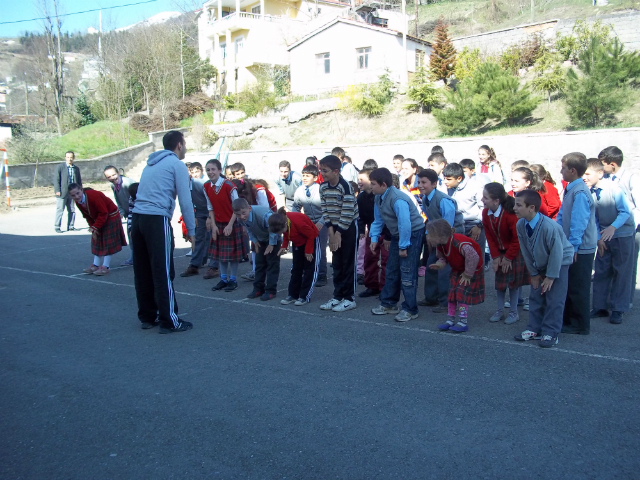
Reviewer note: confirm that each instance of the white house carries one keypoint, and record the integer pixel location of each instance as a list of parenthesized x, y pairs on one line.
[(346, 52)]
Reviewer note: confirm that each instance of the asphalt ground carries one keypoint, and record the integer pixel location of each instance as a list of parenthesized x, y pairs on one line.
[(258, 390)]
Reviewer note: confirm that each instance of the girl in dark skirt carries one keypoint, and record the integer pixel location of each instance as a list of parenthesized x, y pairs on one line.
[(103, 217), (508, 263), (466, 282)]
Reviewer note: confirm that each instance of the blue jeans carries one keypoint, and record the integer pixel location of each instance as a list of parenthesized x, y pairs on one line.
[(436, 282), (402, 275), (201, 246)]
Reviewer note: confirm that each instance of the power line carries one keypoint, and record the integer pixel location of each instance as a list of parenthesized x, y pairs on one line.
[(78, 13)]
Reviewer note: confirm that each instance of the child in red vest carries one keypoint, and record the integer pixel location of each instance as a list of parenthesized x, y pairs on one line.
[(303, 234), (466, 282)]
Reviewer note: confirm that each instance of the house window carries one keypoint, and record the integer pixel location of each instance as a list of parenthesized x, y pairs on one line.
[(256, 10), (239, 44), (419, 58), (223, 50), (362, 58), (323, 63)]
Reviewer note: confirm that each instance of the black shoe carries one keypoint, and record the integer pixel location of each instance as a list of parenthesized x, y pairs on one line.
[(70, 229), (616, 317), (267, 296), (255, 294), (231, 286), (598, 313), (183, 326), (321, 282), (221, 284), (360, 279), (58, 230), (147, 325), (369, 293), (427, 303), (574, 330)]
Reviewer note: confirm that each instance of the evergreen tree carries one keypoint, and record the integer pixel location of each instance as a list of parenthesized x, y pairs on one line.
[(423, 92), (549, 77), (83, 109), (442, 61)]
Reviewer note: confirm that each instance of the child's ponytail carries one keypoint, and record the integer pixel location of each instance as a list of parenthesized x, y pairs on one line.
[(496, 191)]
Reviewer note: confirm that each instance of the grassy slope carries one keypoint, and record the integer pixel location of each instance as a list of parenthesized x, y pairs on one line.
[(97, 139), (205, 118)]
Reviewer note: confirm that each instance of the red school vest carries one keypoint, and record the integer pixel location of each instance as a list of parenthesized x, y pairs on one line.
[(270, 198), (221, 201), (452, 251)]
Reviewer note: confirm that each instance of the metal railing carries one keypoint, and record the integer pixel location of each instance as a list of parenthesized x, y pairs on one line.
[(254, 16)]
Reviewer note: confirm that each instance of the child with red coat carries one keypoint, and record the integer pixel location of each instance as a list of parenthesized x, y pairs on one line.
[(301, 231), (466, 282), (499, 222), (227, 244), (103, 217), (552, 197)]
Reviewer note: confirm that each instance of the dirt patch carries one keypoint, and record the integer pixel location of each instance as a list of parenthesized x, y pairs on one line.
[(44, 192)]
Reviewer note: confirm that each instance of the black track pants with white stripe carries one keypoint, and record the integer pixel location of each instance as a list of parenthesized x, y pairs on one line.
[(304, 273), (345, 261), (152, 241)]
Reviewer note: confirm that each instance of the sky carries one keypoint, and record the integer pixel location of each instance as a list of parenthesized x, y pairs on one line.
[(12, 10)]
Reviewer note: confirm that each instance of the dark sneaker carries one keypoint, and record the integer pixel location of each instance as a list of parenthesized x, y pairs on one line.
[(221, 284), (255, 294), (147, 325), (211, 273), (368, 293), (459, 327), (288, 300), (360, 279), (190, 271), (548, 341), (446, 326), (598, 313), (616, 317), (183, 326), (427, 303), (231, 286), (321, 282), (267, 296)]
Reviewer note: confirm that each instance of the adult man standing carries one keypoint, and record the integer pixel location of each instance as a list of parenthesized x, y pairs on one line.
[(66, 174), (164, 177), (288, 183), (120, 188)]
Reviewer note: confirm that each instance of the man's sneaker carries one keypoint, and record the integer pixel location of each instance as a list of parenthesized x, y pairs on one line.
[(548, 341), (513, 317), (183, 326), (299, 302), (90, 269), (598, 313), (360, 279), (382, 310), (211, 273), (267, 296), (231, 286), (322, 281), (148, 325), (344, 306), (422, 271), (249, 276), (507, 304), (330, 304), (525, 307), (288, 300), (496, 317), (616, 317), (190, 271), (255, 294), (101, 271), (527, 335), (220, 285), (368, 293), (459, 327), (405, 316), (446, 326)]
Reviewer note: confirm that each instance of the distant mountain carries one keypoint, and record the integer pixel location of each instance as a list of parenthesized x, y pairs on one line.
[(158, 18)]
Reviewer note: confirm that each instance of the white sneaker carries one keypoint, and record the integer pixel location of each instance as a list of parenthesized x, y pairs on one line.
[(330, 304), (525, 307), (300, 301), (382, 310), (507, 304), (496, 317), (344, 306), (513, 317), (405, 316), (287, 301), (527, 335)]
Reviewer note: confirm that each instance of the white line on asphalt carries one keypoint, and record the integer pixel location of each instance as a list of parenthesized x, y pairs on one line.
[(43, 248), (349, 319)]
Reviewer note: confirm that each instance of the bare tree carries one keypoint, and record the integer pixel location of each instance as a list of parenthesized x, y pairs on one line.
[(52, 26)]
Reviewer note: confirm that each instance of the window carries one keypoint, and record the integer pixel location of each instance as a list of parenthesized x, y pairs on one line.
[(239, 44), (419, 58), (362, 58), (256, 10), (223, 50), (323, 63)]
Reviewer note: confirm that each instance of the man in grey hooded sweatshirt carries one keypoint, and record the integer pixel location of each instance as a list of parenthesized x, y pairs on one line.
[(152, 235)]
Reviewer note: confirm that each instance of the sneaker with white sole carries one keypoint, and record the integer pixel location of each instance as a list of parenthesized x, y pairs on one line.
[(344, 305), (405, 316), (507, 304), (496, 317), (548, 341), (299, 302), (330, 304), (525, 307), (382, 310), (527, 335), (288, 300), (513, 317)]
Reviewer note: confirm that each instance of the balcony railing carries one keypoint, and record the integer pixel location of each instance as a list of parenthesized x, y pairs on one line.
[(254, 16)]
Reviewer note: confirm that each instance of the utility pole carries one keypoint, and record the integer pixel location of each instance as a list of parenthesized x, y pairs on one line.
[(26, 95), (404, 77), (100, 35), (532, 9)]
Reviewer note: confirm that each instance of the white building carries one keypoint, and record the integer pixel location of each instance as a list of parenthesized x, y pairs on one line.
[(346, 52)]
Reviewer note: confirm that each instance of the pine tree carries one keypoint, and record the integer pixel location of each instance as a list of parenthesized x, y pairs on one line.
[(443, 59)]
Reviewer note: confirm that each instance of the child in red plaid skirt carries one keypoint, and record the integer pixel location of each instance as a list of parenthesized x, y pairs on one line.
[(466, 281), (508, 263)]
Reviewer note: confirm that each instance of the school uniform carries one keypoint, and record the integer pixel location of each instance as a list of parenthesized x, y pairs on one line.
[(375, 263), (551, 199), (203, 237), (544, 208), (468, 195), (288, 187), (396, 210), (267, 266), (303, 234), (340, 211), (455, 252), (120, 191), (435, 206), (231, 248), (548, 253), (307, 199), (613, 270), (577, 219), (494, 172), (103, 218), (265, 198), (441, 185)]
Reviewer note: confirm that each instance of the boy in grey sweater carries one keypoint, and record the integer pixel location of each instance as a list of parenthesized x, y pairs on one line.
[(548, 254)]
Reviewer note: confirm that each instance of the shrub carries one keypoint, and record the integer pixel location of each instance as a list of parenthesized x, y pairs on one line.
[(508, 100), (257, 98), (549, 77), (522, 55), (193, 105), (571, 46), (243, 143), (467, 63), (465, 113), (368, 100), (423, 92), (86, 117)]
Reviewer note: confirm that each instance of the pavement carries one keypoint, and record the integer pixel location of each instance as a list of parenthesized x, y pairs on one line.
[(259, 391)]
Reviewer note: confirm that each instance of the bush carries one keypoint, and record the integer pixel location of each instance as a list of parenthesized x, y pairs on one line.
[(571, 46), (423, 92), (549, 77), (509, 101), (467, 63), (193, 105), (243, 143), (368, 100), (257, 98), (522, 55), (30, 144), (84, 112), (152, 123), (465, 113)]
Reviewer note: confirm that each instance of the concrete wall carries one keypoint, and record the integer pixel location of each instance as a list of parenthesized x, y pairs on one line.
[(21, 176), (625, 27), (156, 137), (544, 148)]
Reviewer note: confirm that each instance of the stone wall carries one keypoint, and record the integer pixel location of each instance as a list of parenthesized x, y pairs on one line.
[(544, 148), (156, 137)]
